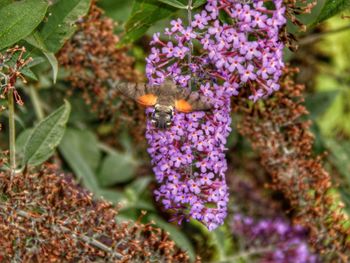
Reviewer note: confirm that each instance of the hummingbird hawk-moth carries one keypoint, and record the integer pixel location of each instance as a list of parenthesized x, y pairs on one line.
[(164, 98)]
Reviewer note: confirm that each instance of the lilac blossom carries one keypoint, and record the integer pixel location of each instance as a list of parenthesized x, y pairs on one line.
[(189, 157), (272, 240)]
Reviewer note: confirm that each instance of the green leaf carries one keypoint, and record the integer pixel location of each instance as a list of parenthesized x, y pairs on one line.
[(117, 168), (145, 13), (174, 3), (27, 72), (331, 8), (70, 147), (318, 103), (138, 186), (176, 235), (4, 3), (199, 3), (219, 239), (22, 139), (117, 10), (46, 136), (60, 25), (139, 205), (112, 196), (340, 156), (36, 41), (19, 19), (86, 144)]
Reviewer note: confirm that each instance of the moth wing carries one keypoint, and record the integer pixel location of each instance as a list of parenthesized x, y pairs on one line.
[(192, 101), (183, 106), (147, 100), (140, 92)]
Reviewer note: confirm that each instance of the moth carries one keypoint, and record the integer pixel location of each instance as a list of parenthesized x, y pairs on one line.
[(165, 98)]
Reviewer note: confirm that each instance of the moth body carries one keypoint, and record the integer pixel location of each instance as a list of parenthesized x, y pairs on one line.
[(164, 98)]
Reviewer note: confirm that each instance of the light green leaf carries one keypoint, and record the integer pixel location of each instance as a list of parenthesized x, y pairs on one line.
[(36, 41), (137, 187), (22, 139), (117, 168), (319, 102), (70, 147), (46, 136), (112, 196), (219, 239), (19, 19), (86, 144), (331, 8), (340, 156), (60, 25), (176, 235), (174, 3), (36, 61), (144, 14)]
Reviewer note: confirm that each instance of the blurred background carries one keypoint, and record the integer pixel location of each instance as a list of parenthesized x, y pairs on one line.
[(104, 146)]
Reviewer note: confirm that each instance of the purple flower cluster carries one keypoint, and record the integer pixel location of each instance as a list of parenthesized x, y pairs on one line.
[(274, 241), (246, 51), (188, 158), (190, 164)]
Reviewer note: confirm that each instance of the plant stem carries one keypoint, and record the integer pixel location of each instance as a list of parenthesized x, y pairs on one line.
[(315, 37), (36, 103), (12, 131), (189, 18)]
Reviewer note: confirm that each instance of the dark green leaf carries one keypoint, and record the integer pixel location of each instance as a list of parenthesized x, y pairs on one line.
[(36, 41), (318, 103), (27, 72), (176, 235), (331, 8), (70, 147), (117, 168), (199, 3), (4, 3), (145, 13), (19, 19), (61, 22), (46, 136), (224, 17), (118, 10), (174, 3)]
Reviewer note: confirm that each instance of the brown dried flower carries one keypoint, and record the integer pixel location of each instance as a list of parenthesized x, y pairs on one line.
[(92, 58), (46, 217), (11, 64), (284, 142), (295, 8)]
